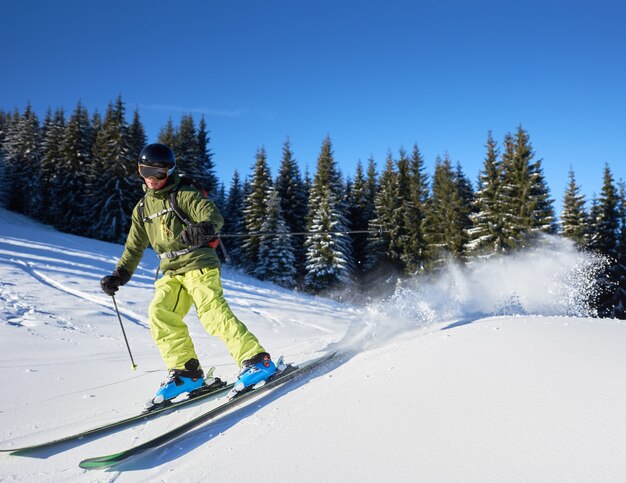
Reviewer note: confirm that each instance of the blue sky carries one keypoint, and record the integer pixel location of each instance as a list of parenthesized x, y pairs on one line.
[(374, 75)]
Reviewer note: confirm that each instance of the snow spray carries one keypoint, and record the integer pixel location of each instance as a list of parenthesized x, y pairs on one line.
[(550, 279)]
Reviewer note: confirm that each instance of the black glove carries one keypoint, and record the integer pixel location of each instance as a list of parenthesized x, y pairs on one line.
[(111, 283), (198, 234)]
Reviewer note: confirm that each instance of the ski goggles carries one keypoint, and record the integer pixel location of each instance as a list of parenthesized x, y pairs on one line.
[(158, 172)]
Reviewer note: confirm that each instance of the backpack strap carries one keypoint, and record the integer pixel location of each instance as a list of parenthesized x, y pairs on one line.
[(178, 253), (152, 216), (175, 208)]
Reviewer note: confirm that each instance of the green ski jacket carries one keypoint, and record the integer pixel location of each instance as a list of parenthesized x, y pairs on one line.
[(162, 231)]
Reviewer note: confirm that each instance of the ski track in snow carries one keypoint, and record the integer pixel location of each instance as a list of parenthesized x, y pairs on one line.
[(29, 267)]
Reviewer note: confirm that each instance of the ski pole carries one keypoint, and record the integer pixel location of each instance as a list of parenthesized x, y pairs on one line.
[(124, 332)]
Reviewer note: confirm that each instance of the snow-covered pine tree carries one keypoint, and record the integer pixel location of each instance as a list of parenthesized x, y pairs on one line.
[(371, 186), (486, 236), (5, 120), (466, 192), (72, 210), (96, 125), (255, 210), (574, 223), (293, 197), (186, 148), (444, 227), (606, 225), (360, 213), (276, 253), (329, 262), (113, 178), (415, 246), (619, 269), (137, 141), (22, 160), (400, 251), (593, 220), (136, 136), (167, 134), (525, 194), (381, 223), (51, 161), (206, 167), (233, 218), (604, 239), (219, 196)]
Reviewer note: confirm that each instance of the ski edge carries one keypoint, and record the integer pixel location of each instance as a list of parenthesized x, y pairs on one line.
[(109, 461)]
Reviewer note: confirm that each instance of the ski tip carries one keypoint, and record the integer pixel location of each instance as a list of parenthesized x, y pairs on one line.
[(101, 462)]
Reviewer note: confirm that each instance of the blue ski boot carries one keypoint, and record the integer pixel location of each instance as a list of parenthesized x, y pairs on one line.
[(254, 372), (179, 381)]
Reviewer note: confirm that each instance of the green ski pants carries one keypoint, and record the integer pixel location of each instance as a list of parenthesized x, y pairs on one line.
[(172, 301)]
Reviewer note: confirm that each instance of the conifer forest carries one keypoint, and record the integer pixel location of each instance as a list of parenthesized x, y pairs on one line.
[(324, 232)]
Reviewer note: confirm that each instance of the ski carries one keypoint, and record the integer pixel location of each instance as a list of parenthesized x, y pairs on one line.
[(288, 374), (219, 391)]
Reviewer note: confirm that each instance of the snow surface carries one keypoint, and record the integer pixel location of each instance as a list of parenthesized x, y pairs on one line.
[(486, 374)]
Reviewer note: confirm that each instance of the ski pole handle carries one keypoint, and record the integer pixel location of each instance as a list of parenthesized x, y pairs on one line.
[(124, 333)]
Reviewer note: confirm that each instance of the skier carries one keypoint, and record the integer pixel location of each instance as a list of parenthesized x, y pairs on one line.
[(191, 275)]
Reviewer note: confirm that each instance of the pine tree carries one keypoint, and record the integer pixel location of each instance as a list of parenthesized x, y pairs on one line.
[(255, 210), (371, 186), (604, 240), (186, 148), (276, 254), (114, 177), (444, 227), (137, 141), (415, 246), (399, 248), (51, 162), (136, 136), (593, 220), (381, 223), (329, 262), (96, 125), (619, 269), (206, 167), (167, 134), (486, 236), (22, 152), (72, 211), (467, 208), (219, 197), (233, 218), (525, 194), (291, 191), (360, 212), (574, 221), (5, 122), (604, 237)]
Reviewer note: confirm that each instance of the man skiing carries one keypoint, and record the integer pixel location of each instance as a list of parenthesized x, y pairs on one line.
[(191, 275)]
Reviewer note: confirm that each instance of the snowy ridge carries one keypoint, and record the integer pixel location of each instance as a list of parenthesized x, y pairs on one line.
[(489, 373)]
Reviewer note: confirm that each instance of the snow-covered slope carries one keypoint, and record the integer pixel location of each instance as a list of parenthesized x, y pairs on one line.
[(430, 387)]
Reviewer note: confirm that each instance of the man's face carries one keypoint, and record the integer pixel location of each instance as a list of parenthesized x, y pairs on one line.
[(154, 177), (155, 184)]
